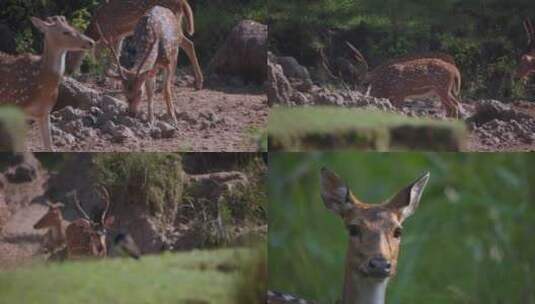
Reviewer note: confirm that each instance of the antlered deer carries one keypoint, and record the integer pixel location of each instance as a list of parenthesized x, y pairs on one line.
[(374, 237), (526, 65), (87, 237), (413, 76), (31, 82), (118, 20), (55, 237), (156, 37)]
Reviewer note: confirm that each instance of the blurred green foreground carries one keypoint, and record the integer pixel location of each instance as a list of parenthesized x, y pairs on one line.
[(472, 240), (226, 276)]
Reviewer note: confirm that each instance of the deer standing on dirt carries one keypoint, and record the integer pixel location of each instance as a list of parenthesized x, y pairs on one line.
[(374, 238), (31, 82), (118, 19), (157, 38), (415, 76), (526, 65), (55, 238), (87, 237)]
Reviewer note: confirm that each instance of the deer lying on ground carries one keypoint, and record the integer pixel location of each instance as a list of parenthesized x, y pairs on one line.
[(415, 76), (55, 238), (374, 238), (156, 37), (526, 65), (86, 237), (31, 82), (118, 19)]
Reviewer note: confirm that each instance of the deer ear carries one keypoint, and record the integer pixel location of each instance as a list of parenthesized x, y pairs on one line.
[(334, 192), (405, 202), (40, 24)]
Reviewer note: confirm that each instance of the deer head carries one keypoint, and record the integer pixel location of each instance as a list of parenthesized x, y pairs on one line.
[(60, 35), (374, 230), (526, 65), (133, 80), (52, 218)]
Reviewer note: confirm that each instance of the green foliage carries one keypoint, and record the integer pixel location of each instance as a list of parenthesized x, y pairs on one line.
[(193, 277), (145, 178), (470, 241)]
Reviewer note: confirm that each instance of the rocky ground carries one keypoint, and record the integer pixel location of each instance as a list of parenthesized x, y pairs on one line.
[(493, 125), (224, 116)]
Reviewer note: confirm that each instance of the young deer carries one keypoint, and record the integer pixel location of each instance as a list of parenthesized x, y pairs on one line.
[(157, 37), (87, 237), (55, 238), (31, 82), (118, 19), (413, 76), (526, 65), (374, 238)]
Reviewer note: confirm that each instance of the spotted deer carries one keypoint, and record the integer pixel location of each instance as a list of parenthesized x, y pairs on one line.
[(374, 238), (156, 37), (31, 82), (55, 238), (526, 66), (432, 74), (118, 19), (86, 237)]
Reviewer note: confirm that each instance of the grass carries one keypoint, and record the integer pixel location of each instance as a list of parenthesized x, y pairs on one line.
[(333, 127), (193, 277), (470, 241), (12, 129)]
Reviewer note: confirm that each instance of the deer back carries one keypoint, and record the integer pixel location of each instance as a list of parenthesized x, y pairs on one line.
[(17, 73)]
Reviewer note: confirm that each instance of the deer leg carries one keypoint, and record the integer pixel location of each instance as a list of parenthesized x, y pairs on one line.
[(149, 88), (448, 105), (189, 48), (455, 104), (46, 134), (168, 92)]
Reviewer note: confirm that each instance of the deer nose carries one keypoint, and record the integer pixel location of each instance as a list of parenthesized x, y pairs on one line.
[(379, 266)]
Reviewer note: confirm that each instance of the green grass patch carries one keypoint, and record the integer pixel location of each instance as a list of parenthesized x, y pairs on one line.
[(12, 129), (193, 277), (298, 129)]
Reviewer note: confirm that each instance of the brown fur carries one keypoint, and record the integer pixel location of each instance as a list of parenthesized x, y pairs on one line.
[(116, 27), (526, 65), (55, 237), (375, 230), (31, 82), (414, 75), (83, 240)]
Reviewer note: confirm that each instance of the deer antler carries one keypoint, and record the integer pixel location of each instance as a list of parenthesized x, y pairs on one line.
[(325, 64), (114, 53), (79, 207), (106, 198), (530, 31), (358, 55)]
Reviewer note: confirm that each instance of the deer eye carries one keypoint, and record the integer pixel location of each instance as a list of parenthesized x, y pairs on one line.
[(397, 233), (354, 230)]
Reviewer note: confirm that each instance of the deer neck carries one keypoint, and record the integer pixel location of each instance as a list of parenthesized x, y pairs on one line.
[(53, 65), (362, 290)]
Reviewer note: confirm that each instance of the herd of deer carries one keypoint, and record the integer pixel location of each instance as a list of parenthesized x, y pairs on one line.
[(32, 82)]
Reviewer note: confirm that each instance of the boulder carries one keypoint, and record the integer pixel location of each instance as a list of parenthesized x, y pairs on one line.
[(244, 53), (75, 94), (278, 88)]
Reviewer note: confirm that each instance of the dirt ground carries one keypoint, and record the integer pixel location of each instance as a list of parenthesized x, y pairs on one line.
[(244, 108)]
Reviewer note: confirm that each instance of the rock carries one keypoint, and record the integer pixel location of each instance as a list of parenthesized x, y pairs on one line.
[(185, 116), (73, 93), (293, 70), (300, 98), (109, 126), (243, 53), (121, 134), (278, 88), (167, 130)]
